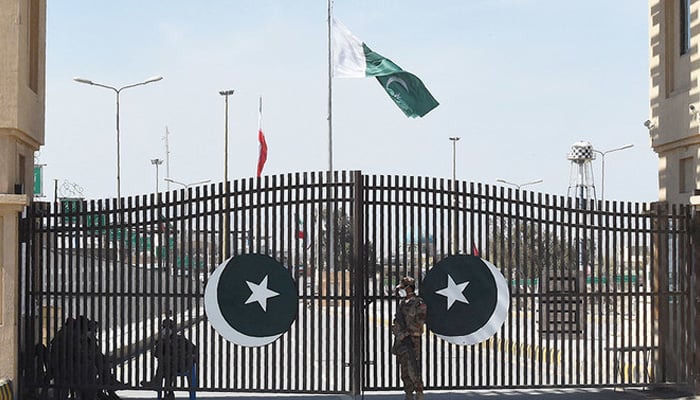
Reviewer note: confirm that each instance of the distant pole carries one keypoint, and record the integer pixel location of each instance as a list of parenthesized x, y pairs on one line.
[(226, 94), (331, 211), (157, 162), (330, 92), (224, 233), (455, 235), (602, 167), (118, 91), (167, 153)]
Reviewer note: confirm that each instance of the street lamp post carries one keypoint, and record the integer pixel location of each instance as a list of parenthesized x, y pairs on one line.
[(117, 91), (226, 94), (224, 241), (454, 140), (157, 162), (519, 185), (602, 167)]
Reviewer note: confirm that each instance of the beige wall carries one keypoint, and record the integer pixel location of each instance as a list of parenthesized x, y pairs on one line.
[(22, 97), (675, 135), (10, 206)]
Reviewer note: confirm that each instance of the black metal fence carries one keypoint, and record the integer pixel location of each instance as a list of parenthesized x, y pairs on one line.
[(601, 293)]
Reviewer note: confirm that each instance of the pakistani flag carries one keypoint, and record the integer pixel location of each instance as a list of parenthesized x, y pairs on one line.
[(353, 59)]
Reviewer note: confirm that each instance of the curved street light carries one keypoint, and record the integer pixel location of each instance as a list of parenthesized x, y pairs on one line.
[(602, 167), (117, 91), (519, 185), (186, 185)]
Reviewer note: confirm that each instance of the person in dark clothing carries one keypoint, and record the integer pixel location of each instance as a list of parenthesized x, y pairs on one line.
[(176, 356), (407, 328), (76, 362)]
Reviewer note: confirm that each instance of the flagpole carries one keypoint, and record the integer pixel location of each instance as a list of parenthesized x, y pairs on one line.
[(331, 210), (257, 170), (330, 93)]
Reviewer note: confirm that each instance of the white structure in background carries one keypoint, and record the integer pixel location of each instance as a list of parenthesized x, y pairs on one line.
[(581, 180)]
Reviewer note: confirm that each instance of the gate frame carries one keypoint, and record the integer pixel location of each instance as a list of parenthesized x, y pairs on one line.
[(360, 275)]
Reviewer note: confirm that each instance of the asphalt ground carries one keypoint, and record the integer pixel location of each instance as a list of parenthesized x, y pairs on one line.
[(534, 394)]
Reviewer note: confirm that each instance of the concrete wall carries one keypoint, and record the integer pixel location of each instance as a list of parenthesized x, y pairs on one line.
[(10, 206), (22, 25), (675, 132), (22, 97)]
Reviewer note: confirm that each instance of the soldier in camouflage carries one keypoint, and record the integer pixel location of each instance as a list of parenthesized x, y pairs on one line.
[(407, 328)]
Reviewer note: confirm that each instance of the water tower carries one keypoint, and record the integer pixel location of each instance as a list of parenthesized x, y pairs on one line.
[(581, 172)]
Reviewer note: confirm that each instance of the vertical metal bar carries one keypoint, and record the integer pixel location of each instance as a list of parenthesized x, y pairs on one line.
[(288, 220), (647, 260), (597, 301), (514, 262), (536, 276), (310, 268), (385, 274), (694, 314), (217, 362), (359, 277)]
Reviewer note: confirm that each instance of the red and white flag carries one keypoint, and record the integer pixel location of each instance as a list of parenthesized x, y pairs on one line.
[(262, 156), (475, 250)]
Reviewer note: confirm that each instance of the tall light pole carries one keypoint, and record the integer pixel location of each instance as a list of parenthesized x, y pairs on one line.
[(157, 162), (226, 94), (602, 167), (117, 91), (519, 185), (454, 140), (224, 241)]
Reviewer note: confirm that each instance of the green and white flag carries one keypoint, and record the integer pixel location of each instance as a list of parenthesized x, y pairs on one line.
[(353, 59)]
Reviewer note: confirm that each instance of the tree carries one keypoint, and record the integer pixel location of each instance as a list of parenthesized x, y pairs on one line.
[(341, 228), (527, 249)]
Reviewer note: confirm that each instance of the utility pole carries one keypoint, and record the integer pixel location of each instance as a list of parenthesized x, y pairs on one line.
[(167, 154), (455, 247)]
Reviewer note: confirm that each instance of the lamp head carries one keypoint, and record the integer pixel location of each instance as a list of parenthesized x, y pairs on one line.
[(153, 79), (83, 80), (226, 92)]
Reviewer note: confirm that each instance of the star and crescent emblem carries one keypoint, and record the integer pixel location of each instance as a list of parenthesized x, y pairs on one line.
[(467, 299), (453, 292), (251, 300), (260, 293), (398, 81)]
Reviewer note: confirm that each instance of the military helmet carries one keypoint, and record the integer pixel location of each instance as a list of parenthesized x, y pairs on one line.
[(407, 281)]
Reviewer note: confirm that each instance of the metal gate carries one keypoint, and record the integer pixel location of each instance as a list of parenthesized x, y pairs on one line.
[(601, 293)]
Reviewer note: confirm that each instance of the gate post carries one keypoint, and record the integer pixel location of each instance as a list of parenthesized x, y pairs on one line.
[(665, 371), (10, 206), (694, 297), (358, 277)]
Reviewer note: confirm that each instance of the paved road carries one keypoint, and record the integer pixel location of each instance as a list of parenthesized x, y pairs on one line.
[(541, 394)]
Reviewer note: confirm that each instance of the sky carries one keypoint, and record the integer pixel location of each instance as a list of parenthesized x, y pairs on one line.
[(519, 81)]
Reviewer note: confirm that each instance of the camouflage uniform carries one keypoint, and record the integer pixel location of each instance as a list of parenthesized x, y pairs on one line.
[(408, 324)]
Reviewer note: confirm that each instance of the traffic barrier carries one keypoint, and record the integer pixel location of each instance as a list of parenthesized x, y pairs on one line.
[(5, 389)]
